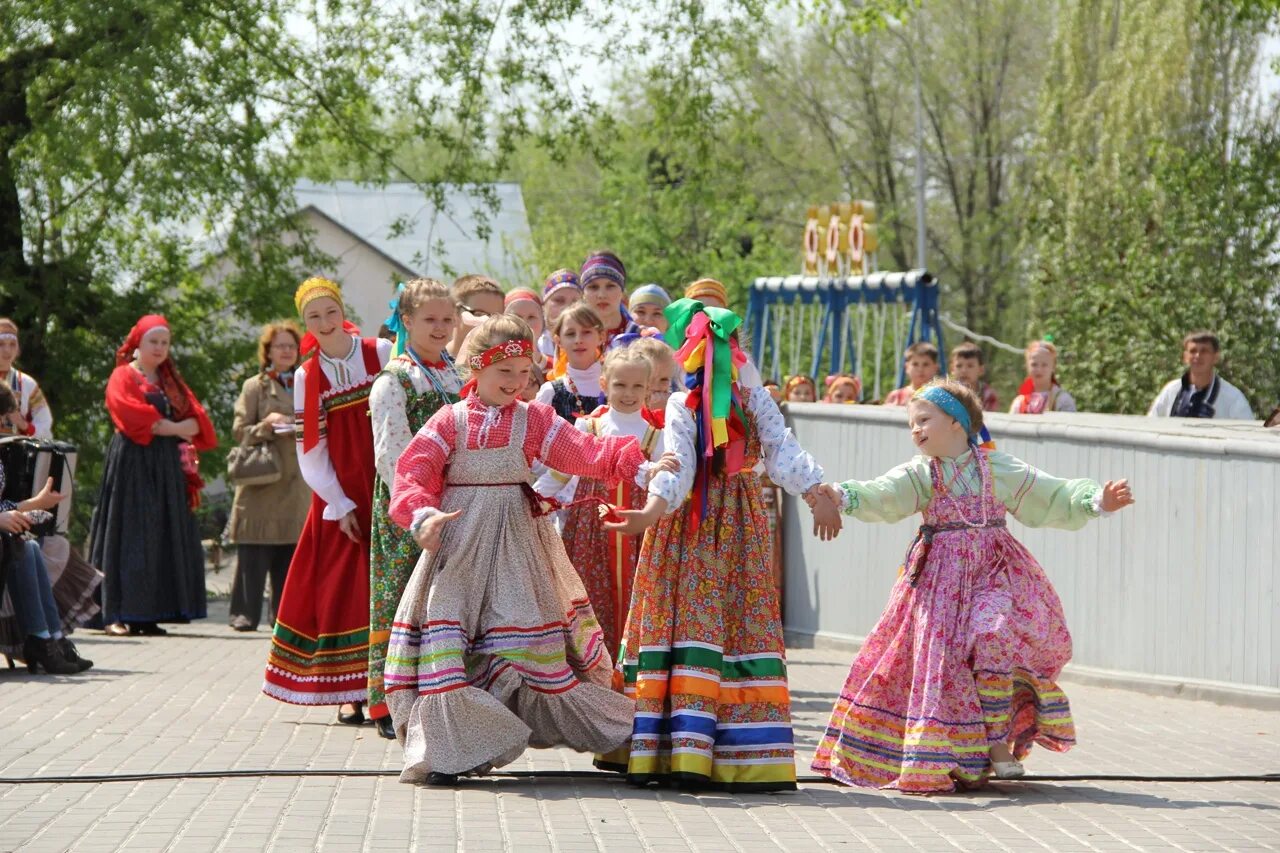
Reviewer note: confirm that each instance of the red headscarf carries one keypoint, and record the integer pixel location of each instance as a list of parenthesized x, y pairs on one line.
[(182, 401)]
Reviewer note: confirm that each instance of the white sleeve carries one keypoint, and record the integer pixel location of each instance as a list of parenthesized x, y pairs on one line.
[(1235, 405), (1163, 402), (677, 438), (786, 461), (317, 468), (749, 374), (391, 433), (545, 393), (384, 351)]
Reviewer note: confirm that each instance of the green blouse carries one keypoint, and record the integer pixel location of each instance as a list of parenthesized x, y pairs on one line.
[(1033, 497)]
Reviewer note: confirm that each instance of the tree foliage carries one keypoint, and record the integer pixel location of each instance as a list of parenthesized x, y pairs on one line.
[(1158, 198)]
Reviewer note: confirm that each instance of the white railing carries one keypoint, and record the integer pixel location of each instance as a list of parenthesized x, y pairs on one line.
[(1176, 593)]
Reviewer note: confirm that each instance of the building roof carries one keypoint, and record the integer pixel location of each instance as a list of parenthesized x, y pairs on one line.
[(401, 223)]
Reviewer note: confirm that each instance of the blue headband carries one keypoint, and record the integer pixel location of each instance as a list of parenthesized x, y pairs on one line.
[(943, 399)]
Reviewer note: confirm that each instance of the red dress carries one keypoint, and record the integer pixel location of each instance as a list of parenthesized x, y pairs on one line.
[(320, 648)]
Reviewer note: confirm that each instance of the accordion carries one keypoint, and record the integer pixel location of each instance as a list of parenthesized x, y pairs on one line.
[(28, 463)]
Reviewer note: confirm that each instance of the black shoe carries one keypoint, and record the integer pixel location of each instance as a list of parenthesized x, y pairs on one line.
[(147, 629), (386, 728), (42, 653), (71, 654), (434, 778), (356, 718)]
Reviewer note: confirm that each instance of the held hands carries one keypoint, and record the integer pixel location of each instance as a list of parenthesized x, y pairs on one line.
[(669, 463), (636, 521), (826, 512), (429, 532), (1116, 495)]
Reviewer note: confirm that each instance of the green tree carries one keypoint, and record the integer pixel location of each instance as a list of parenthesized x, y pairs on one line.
[(1158, 197)]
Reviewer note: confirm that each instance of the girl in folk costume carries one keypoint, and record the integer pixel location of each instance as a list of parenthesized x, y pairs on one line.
[(320, 647), (495, 646), (579, 337), (605, 560), (1040, 391), (143, 532), (646, 304), (415, 384), (704, 658), (662, 378), (559, 291), (32, 416), (957, 679), (603, 279)]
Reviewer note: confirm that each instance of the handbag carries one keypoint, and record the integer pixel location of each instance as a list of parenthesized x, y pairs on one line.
[(254, 464)]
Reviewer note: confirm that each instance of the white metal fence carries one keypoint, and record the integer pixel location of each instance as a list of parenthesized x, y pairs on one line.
[(1177, 590)]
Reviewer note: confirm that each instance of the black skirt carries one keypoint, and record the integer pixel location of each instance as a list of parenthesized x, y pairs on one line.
[(144, 538)]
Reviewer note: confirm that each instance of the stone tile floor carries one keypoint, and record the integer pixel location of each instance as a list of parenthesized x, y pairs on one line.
[(191, 702)]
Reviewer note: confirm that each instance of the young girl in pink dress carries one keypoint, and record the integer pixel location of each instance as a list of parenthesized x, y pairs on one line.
[(495, 646), (957, 679)]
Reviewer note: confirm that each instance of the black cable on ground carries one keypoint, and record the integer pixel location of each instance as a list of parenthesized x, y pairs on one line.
[(559, 774)]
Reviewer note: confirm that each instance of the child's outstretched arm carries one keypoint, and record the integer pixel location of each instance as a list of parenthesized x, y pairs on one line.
[(901, 492), (1038, 499)]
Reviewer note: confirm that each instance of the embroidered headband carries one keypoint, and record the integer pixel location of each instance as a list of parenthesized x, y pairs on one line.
[(518, 348), (520, 294), (943, 399), (600, 266), (314, 288), (558, 280), (707, 287), (649, 294)]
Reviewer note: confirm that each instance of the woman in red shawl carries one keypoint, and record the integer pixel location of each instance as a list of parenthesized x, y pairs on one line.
[(143, 533)]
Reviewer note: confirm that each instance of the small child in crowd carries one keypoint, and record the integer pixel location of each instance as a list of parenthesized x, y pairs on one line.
[(930, 700), (1040, 391), (476, 297), (559, 291), (525, 303), (968, 366), (662, 379), (579, 336), (605, 560), (800, 389), (646, 304), (843, 388), (921, 363)]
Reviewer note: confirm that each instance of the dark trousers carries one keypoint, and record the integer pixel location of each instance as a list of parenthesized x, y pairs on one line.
[(253, 564)]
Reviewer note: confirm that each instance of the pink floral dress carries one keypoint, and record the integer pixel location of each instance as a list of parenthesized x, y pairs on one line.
[(968, 650)]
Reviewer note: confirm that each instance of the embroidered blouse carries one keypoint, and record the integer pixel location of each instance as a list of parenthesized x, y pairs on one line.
[(420, 474), (786, 462), (1033, 497), (388, 408), (317, 468)]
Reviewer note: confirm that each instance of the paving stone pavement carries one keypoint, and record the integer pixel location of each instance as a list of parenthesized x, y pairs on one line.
[(191, 702)]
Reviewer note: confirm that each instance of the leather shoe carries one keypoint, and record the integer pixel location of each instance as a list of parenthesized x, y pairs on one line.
[(386, 728), (355, 718), (434, 778)]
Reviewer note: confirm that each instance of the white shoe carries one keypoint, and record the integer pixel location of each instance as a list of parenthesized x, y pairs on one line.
[(1008, 769)]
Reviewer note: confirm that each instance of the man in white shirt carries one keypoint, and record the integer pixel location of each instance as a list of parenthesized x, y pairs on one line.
[(1201, 392)]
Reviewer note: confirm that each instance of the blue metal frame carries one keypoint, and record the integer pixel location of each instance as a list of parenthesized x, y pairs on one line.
[(916, 288)]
